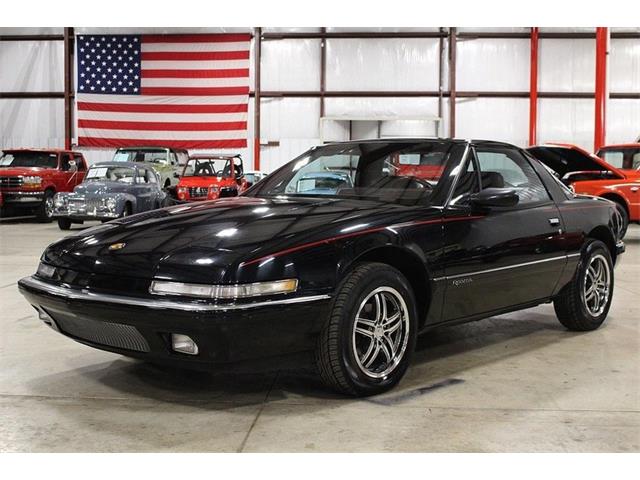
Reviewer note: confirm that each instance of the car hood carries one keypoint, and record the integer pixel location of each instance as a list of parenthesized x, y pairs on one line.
[(564, 159), (15, 171), (99, 188), (203, 242)]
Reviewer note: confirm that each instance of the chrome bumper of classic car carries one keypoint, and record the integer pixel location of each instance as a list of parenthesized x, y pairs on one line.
[(83, 209), (145, 327)]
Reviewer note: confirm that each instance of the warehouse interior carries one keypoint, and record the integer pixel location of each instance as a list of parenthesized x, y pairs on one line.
[(517, 382)]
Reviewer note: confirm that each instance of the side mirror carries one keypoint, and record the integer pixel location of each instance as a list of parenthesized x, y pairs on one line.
[(176, 175), (495, 197), (72, 165)]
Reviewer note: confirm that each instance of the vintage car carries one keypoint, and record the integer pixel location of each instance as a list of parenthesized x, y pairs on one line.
[(624, 156), (588, 174), (208, 177), (355, 275), (110, 190), (29, 179), (166, 161)]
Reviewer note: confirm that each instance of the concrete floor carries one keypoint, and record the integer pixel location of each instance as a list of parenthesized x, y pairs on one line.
[(518, 382)]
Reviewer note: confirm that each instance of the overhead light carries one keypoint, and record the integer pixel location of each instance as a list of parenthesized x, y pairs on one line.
[(160, 287)]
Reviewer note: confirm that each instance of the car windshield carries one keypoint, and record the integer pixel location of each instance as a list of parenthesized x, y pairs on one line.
[(398, 172), (208, 167), (29, 159), (111, 174), (152, 155)]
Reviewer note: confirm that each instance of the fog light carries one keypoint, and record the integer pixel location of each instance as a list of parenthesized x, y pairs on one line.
[(183, 344)]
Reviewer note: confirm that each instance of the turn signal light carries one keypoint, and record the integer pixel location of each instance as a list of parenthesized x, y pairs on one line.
[(183, 344)]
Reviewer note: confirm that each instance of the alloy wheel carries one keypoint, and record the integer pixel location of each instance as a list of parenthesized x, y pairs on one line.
[(596, 286), (381, 332)]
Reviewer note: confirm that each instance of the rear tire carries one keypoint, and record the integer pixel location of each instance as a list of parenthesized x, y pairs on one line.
[(64, 223), (366, 344), (583, 304), (624, 215), (44, 213)]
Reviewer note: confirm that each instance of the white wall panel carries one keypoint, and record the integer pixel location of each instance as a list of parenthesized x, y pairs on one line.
[(566, 120), (289, 118), (382, 64), (31, 66), (159, 30), (382, 29), (379, 107), (495, 29), (567, 65), (32, 122), (623, 121), (290, 65), (624, 65), (503, 119), (493, 64)]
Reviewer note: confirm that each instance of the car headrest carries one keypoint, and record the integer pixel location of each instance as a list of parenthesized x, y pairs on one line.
[(492, 180)]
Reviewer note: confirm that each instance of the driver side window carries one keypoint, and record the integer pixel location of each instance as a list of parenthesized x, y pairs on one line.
[(506, 168)]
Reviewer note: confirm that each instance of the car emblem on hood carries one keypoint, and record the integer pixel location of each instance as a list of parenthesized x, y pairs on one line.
[(117, 246)]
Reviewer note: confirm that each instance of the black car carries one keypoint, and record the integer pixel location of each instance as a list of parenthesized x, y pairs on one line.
[(355, 273)]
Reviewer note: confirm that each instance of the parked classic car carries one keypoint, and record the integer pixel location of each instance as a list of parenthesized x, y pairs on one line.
[(29, 178), (590, 175), (207, 177), (166, 161), (625, 156), (110, 190), (354, 275)]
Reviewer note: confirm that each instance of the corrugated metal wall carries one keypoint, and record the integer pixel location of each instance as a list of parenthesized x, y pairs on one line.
[(364, 64)]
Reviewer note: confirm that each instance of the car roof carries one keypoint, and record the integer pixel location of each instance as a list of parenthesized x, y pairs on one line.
[(44, 150), (621, 145), (158, 147), (119, 164), (204, 156), (424, 140)]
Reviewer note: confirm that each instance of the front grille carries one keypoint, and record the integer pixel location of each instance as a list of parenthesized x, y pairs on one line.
[(115, 335), (86, 203), (10, 182), (197, 192)]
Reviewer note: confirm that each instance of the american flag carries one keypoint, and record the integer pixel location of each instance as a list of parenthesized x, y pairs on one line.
[(182, 91)]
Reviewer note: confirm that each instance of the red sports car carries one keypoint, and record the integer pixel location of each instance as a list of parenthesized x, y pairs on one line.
[(208, 177), (585, 173)]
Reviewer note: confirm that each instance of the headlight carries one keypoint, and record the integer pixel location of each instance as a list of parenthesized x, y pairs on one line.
[(59, 200), (111, 204), (224, 291), (31, 181)]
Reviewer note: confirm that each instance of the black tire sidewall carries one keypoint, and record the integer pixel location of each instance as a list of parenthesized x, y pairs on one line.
[(42, 209), (64, 223), (591, 249), (384, 276)]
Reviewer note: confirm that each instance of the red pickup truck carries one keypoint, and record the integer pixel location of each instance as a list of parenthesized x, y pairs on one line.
[(29, 178)]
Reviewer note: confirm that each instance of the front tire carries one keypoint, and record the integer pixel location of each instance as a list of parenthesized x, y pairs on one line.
[(64, 223), (44, 213), (583, 304), (366, 345)]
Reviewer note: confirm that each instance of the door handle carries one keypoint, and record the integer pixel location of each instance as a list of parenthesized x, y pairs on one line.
[(634, 189), (554, 222)]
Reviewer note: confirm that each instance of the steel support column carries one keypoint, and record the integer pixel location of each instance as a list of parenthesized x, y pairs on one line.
[(323, 70), (68, 87), (256, 106), (533, 88), (601, 94), (452, 82)]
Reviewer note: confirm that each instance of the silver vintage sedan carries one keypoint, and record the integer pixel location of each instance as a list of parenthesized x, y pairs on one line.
[(110, 190)]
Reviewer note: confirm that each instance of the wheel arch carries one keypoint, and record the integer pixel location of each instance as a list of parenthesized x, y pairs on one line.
[(603, 234), (411, 265), (616, 197)]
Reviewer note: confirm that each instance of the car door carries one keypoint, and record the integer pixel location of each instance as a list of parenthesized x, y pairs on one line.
[(81, 168), (502, 256), (144, 189)]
